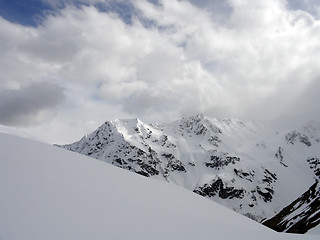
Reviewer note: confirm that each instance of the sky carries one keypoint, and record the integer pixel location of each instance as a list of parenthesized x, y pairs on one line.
[(67, 66)]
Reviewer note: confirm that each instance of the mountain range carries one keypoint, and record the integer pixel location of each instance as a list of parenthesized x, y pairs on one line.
[(258, 169)]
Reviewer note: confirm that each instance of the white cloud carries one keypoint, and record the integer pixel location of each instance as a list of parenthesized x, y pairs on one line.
[(256, 61), (26, 106)]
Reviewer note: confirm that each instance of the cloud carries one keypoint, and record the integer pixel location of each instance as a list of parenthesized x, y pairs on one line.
[(261, 50), (310, 6), (306, 104), (248, 59), (26, 106)]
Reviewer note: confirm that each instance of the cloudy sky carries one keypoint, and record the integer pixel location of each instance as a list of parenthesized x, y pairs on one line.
[(67, 66)]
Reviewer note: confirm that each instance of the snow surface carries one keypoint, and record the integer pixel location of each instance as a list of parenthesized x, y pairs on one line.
[(315, 230), (50, 193)]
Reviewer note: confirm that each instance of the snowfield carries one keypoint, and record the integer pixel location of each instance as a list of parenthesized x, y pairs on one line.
[(51, 193)]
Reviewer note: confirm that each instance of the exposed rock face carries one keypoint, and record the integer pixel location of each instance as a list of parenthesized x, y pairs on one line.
[(218, 162), (279, 155), (217, 187), (245, 166), (294, 136), (315, 165)]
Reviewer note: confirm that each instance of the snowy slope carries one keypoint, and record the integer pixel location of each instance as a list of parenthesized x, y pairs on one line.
[(49, 193), (315, 230), (253, 168)]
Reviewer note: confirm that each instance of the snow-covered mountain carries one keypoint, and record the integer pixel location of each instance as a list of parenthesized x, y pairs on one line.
[(49, 193), (253, 168)]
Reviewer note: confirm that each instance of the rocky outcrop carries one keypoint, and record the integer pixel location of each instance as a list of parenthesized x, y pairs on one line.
[(218, 187)]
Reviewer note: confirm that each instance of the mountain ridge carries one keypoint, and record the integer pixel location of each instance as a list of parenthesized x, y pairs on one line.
[(244, 165)]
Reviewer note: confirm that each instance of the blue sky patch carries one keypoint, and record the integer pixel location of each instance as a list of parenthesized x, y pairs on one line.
[(28, 13)]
